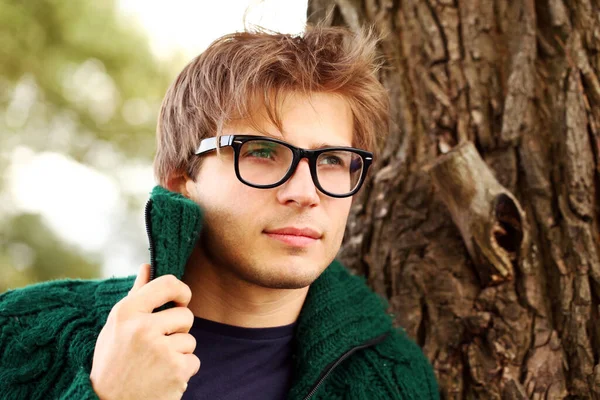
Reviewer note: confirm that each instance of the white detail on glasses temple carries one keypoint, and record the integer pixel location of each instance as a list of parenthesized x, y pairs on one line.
[(210, 143)]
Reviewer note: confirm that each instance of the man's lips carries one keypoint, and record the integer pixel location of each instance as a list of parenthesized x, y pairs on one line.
[(299, 237), (293, 231)]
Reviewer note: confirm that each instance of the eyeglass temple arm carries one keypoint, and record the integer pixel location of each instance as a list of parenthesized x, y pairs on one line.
[(209, 144)]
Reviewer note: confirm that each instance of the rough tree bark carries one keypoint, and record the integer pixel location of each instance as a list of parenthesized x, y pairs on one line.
[(480, 220)]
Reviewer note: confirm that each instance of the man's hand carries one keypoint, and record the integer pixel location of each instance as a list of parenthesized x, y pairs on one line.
[(145, 355)]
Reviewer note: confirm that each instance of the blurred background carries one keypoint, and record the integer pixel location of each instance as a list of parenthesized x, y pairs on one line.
[(80, 87)]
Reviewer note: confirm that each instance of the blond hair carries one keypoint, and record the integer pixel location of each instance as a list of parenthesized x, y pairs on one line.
[(241, 73)]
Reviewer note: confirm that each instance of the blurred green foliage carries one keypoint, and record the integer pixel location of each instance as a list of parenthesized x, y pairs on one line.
[(29, 252), (61, 43), (74, 76)]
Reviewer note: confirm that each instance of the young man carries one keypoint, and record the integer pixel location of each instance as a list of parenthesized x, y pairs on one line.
[(262, 142)]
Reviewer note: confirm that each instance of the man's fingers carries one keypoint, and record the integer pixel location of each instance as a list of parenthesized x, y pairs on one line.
[(183, 343), (193, 363), (173, 320), (160, 291), (142, 277)]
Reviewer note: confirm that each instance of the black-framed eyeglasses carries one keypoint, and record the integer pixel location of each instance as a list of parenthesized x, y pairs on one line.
[(263, 162)]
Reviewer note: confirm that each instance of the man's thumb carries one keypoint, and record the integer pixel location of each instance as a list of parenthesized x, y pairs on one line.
[(142, 278)]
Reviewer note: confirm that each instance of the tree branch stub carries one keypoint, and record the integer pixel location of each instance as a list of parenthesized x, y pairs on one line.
[(490, 219)]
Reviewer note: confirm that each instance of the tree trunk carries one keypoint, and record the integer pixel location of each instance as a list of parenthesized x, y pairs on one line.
[(480, 220)]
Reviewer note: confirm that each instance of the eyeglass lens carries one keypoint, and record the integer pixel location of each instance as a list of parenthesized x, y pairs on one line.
[(263, 163)]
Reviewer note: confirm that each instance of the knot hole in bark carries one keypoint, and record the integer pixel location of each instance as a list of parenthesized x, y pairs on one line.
[(508, 231)]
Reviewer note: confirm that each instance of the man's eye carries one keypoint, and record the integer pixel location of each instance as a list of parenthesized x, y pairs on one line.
[(261, 153), (260, 150), (331, 160)]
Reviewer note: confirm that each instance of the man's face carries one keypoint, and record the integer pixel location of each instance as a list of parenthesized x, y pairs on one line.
[(237, 217)]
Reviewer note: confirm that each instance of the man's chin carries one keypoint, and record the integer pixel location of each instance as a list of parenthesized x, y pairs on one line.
[(288, 285), (291, 279)]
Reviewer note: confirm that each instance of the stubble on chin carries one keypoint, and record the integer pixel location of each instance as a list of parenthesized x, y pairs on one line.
[(254, 263)]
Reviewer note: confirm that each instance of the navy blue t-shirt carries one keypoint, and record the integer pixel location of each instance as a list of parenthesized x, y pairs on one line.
[(241, 363)]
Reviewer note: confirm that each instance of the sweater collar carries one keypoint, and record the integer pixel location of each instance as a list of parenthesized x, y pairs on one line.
[(340, 312)]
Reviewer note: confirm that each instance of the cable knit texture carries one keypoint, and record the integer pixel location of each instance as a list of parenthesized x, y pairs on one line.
[(48, 331)]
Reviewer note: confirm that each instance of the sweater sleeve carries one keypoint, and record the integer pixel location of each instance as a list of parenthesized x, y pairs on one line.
[(48, 333), (80, 388)]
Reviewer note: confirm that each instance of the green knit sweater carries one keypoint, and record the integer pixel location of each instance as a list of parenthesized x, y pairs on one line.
[(344, 348)]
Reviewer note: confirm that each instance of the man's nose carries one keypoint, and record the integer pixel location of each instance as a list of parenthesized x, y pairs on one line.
[(300, 188)]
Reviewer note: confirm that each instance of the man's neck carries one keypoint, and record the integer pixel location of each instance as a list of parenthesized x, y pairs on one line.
[(222, 297)]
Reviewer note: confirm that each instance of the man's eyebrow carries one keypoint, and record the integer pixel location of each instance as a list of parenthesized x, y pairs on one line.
[(324, 145), (321, 145)]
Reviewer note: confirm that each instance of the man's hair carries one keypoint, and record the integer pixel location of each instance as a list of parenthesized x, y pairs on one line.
[(242, 73)]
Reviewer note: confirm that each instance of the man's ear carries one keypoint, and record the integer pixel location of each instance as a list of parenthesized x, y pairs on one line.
[(177, 183)]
